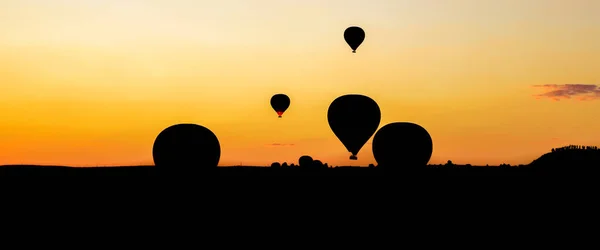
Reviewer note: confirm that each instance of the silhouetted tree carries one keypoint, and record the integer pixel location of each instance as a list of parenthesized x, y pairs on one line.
[(574, 147), (275, 165), (449, 163), (293, 165), (284, 165)]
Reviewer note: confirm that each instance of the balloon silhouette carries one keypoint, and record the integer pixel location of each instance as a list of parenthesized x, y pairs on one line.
[(185, 146), (318, 164), (280, 103), (305, 161), (354, 36), (353, 119), (402, 144)]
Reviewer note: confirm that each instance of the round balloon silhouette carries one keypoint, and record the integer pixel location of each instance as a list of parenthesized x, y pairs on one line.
[(402, 144), (353, 119), (186, 147), (280, 103), (317, 164), (354, 36), (305, 161)]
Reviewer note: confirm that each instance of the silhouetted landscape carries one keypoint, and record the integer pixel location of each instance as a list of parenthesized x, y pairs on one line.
[(568, 159), (400, 148)]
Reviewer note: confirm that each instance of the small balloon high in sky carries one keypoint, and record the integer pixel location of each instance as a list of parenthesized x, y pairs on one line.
[(354, 36), (280, 103)]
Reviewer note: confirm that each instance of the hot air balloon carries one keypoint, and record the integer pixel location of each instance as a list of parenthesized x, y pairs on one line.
[(402, 144), (280, 103), (305, 161), (186, 147), (354, 36), (353, 119)]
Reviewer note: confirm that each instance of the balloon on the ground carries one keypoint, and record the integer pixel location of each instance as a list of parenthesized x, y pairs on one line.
[(280, 103), (186, 147), (305, 161), (402, 144), (353, 119), (354, 36)]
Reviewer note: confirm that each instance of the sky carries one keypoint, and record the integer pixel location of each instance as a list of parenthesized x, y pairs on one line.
[(92, 83)]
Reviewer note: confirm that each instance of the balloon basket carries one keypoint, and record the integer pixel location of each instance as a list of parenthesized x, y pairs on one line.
[(353, 157)]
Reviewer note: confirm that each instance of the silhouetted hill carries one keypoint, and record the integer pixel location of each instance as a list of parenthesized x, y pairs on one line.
[(570, 158), (580, 160)]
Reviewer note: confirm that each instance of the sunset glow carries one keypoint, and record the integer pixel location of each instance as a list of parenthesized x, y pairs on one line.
[(92, 83)]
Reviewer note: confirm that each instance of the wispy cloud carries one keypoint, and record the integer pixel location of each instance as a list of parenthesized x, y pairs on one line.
[(281, 144), (582, 92)]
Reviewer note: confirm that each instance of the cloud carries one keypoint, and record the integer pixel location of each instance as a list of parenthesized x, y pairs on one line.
[(281, 144), (581, 92)]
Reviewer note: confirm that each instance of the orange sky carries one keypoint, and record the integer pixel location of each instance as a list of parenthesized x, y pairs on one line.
[(88, 83)]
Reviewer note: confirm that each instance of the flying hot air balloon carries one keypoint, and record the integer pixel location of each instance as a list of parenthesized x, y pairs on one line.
[(354, 36), (353, 119), (280, 103)]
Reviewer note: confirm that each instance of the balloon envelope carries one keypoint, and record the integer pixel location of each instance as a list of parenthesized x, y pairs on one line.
[(353, 119), (354, 36), (184, 146), (280, 103), (402, 144), (305, 161)]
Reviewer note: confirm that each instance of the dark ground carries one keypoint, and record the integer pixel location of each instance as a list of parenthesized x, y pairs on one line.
[(349, 191), (148, 171), (571, 160)]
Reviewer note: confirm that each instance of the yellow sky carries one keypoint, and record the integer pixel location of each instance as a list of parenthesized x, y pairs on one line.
[(90, 83)]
